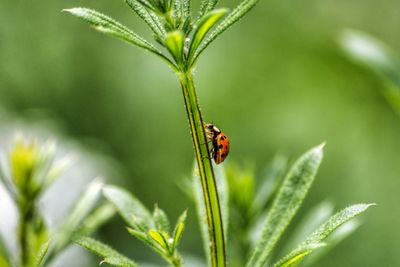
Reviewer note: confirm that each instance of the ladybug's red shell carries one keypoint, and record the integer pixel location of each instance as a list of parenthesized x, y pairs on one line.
[(220, 148), (219, 141)]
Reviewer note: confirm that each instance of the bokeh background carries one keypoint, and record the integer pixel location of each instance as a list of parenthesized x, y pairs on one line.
[(275, 82)]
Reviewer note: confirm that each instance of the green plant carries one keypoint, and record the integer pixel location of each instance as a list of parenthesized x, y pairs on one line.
[(184, 37), (33, 169)]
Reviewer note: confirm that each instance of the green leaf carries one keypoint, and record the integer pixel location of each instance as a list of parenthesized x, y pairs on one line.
[(297, 255), (144, 237), (160, 220), (286, 204), (333, 240), (160, 238), (206, 6), (329, 226), (174, 43), (108, 254), (109, 26), (377, 57), (129, 207), (314, 218), (228, 21), (96, 219), (203, 27), (149, 17), (42, 253), (80, 211), (179, 227)]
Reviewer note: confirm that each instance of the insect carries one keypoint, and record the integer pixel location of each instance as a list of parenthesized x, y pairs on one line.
[(220, 143)]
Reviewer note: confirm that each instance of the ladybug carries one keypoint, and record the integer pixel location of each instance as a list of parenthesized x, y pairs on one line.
[(220, 143)]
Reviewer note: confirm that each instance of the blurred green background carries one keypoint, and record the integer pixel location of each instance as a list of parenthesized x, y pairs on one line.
[(276, 81)]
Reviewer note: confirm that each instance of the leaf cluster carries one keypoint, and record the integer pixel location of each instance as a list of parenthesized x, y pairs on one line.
[(260, 213), (153, 229), (183, 35)]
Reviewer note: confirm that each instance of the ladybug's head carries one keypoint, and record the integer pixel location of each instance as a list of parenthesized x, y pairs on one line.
[(212, 128)]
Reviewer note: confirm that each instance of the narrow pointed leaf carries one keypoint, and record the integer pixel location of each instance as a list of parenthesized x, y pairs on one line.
[(159, 238), (313, 219), (236, 14), (331, 225), (108, 254), (179, 227), (203, 27), (174, 44), (80, 211), (186, 6), (147, 240), (333, 240), (335, 221), (128, 206), (152, 20), (42, 254), (206, 6), (110, 26), (297, 255), (161, 220), (286, 204)]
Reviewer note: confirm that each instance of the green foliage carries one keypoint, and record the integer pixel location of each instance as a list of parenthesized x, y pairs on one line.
[(151, 228), (34, 168), (108, 254), (378, 58), (314, 240), (286, 203)]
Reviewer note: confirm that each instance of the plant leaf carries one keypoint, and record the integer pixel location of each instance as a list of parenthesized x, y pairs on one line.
[(314, 218), (203, 27), (234, 16), (206, 6), (179, 227), (129, 207), (331, 225), (109, 255), (333, 239), (161, 220), (149, 17), (174, 44), (42, 254), (286, 203), (297, 255), (80, 210), (110, 26)]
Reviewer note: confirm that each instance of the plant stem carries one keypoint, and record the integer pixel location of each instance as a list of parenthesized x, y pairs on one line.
[(213, 210)]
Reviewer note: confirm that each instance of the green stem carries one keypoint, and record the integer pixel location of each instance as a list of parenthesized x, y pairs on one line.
[(211, 201)]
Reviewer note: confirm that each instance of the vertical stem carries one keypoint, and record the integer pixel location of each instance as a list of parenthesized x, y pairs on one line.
[(213, 210)]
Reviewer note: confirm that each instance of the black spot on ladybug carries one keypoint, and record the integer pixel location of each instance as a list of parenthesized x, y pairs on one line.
[(222, 155), (222, 137), (220, 146), (226, 147)]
